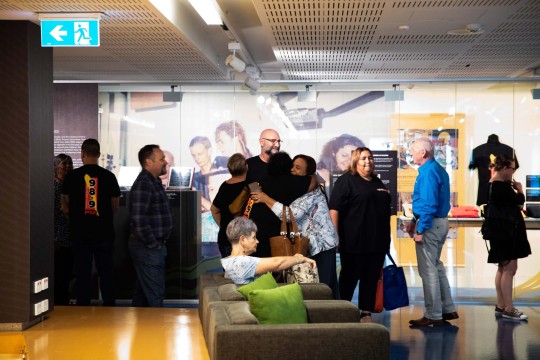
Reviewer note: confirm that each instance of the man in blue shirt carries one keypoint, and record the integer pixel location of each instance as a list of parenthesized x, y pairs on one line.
[(431, 203), (151, 226)]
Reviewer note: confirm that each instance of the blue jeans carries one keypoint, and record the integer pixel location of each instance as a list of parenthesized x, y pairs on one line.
[(437, 296), (149, 266)]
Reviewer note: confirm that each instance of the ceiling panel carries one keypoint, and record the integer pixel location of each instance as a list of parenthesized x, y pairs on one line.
[(301, 40)]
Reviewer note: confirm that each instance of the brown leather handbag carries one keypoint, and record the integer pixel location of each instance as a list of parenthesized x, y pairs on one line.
[(295, 243)]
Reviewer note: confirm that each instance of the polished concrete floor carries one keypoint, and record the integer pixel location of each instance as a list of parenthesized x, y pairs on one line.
[(175, 333), (477, 334)]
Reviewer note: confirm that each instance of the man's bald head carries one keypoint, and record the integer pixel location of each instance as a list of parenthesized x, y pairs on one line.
[(270, 143)]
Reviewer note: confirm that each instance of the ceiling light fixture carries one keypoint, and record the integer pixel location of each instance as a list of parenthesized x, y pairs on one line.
[(232, 60), (470, 29), (252, 84), (207, 10), (235, 63)]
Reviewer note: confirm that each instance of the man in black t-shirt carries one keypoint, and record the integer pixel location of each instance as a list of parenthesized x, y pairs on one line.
[(257, 165), (90, 196)]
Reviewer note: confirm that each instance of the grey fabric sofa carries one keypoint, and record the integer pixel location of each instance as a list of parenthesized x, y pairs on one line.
[(214, 288), (334, 331)]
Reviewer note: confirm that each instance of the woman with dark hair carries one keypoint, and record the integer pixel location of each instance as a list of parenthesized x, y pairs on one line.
[(313, 218), (336, 155), (511, 242), (228, 191), (282, 186), (303, 165), (63, 258), (360, 210)]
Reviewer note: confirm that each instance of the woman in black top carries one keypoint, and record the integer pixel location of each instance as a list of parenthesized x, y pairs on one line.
[(511, 243), (360, 210), (228, 191)]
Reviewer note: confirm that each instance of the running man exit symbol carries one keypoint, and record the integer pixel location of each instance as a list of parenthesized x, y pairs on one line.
[(70, 32)]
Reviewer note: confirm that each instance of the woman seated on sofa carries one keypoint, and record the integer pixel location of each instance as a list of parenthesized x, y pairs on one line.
[(242, 268)]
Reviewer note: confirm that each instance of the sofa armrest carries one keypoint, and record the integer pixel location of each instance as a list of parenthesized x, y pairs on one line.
[(316, 292)]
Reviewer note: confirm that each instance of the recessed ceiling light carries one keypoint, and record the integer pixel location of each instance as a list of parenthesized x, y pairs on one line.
[(470, 29)]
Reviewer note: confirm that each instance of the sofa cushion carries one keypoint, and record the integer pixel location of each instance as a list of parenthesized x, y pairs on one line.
[(281, 305), (265, 281), (239, 314), (229, 292)]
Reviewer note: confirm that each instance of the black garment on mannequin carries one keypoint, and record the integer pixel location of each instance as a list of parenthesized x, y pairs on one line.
[(481, 160)]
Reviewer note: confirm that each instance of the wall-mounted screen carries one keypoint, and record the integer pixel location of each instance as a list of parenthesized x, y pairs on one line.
[(533, 195), (181, 177), (533, 181)]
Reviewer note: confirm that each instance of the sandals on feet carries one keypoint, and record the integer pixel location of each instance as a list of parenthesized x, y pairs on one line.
[(365, 317)]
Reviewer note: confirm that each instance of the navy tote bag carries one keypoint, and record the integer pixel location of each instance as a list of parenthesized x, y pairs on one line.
[(394, 286)]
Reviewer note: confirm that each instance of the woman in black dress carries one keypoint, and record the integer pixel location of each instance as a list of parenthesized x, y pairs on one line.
[(360, 210), (511, 242), (228, 191)]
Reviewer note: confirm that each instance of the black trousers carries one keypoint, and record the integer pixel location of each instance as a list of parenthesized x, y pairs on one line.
[(103, 256), (365, 268), (63, 273)]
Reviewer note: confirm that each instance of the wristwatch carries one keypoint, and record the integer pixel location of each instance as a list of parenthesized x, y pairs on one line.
[(418, 233)]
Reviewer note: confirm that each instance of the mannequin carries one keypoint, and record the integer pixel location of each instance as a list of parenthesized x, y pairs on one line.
[(482, 156)]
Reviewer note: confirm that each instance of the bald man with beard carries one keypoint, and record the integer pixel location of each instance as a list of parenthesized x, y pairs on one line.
[(258, 165)]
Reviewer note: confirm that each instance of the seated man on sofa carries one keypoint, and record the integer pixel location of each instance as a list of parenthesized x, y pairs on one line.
[(242, 268)]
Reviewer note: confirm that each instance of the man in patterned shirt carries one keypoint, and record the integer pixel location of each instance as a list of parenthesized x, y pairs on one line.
[(151, 225)]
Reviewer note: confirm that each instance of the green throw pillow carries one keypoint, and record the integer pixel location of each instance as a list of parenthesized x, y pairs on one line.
[(282, 305), (265, 281)]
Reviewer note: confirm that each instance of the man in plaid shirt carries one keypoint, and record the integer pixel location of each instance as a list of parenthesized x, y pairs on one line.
[(151, 225)]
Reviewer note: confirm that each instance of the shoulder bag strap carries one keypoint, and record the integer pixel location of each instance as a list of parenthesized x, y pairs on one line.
[(283, 231), (293, 223), (391, 259)]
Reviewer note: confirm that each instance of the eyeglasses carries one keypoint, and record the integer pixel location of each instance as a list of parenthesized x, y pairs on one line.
[(273, 141)]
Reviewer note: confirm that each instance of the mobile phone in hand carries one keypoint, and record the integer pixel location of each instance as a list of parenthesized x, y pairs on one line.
[(254, 187)]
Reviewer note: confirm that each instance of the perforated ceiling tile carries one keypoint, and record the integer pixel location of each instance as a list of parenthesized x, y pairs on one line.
[(302, 39)]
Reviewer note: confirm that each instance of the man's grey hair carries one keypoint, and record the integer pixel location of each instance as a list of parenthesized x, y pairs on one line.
[(238, 227), (424, 143)]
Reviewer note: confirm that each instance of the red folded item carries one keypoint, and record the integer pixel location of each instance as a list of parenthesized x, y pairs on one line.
[(464, 212)]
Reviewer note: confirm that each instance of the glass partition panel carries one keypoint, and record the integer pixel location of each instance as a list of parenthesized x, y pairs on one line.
[(326, 122)]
